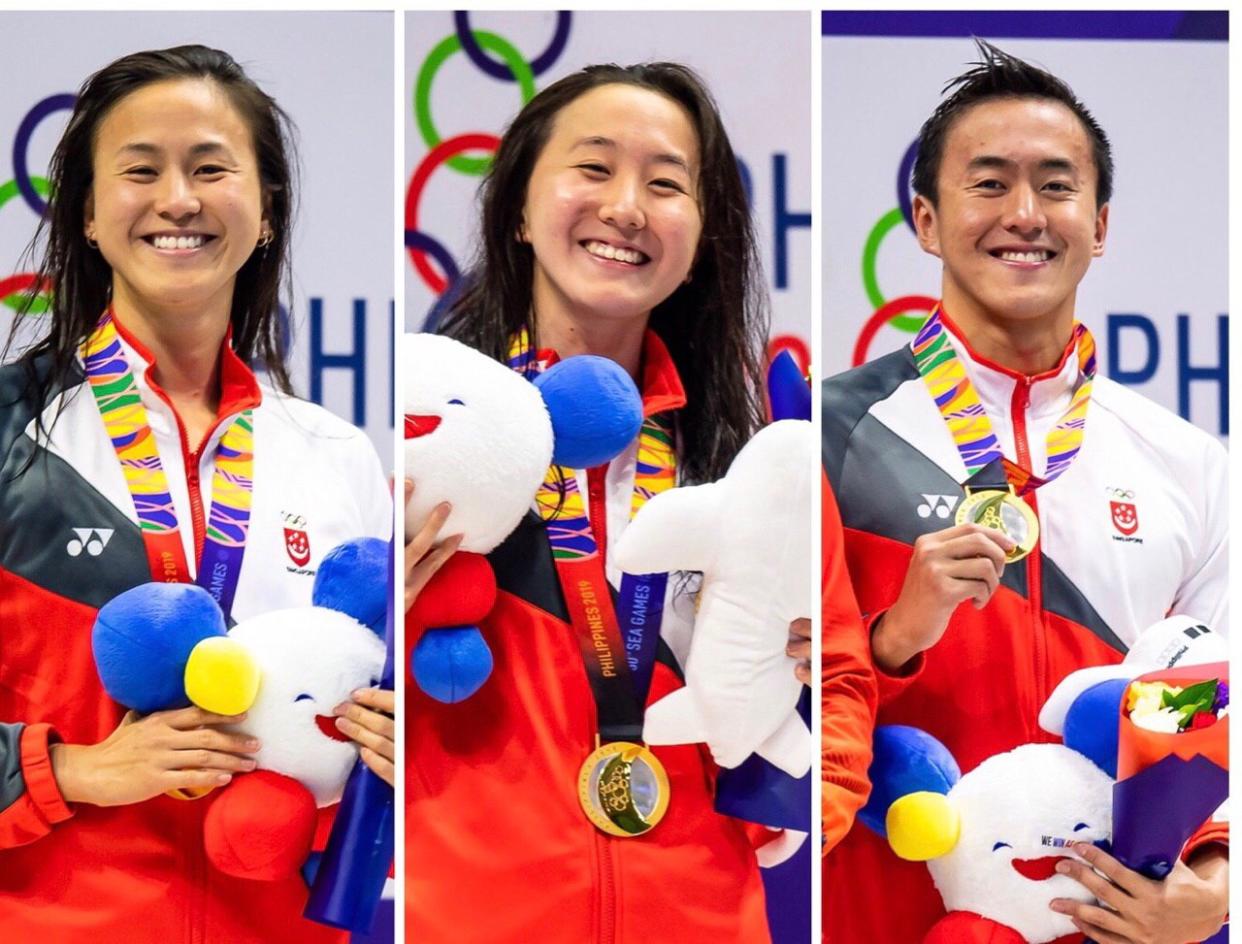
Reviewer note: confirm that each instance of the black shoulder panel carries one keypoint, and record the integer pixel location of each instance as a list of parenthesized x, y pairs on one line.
[(56, 530)]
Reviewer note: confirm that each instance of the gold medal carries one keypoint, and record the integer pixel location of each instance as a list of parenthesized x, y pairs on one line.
[(1005, 512), (623, 788)]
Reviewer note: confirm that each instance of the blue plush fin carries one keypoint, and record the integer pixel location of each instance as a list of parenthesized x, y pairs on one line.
[(353, 579), (905, 760)]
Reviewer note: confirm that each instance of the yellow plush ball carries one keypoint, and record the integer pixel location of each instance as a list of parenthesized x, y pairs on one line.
[(922, 826), (220, 676)]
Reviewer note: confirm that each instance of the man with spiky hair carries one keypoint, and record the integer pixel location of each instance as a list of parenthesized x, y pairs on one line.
[(988, 463)]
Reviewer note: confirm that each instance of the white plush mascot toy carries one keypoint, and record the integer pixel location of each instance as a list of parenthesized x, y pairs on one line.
[(481, 436), (992, 838), (751, 536), (161, 646)]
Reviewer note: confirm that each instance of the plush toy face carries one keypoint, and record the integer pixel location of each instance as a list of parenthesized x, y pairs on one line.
[(477, 434), (311, 659), (1001, 867)]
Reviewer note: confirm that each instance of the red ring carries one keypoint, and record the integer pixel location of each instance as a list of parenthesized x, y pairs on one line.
[(882, 316), (16, 283), (450, 147)]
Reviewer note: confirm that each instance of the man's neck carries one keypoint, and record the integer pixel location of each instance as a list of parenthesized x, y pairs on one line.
[(1027, 347), (568, 334)]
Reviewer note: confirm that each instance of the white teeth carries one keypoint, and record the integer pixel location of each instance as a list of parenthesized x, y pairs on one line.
[(1040, 256), (177, 242), (605, 251)]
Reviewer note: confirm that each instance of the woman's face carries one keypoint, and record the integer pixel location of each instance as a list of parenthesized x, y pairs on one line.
[(612, 209), (176, 204)]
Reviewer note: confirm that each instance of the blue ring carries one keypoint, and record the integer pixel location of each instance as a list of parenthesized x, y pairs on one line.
[(434, 248), (904, 171), (499, 70), (21, 143)]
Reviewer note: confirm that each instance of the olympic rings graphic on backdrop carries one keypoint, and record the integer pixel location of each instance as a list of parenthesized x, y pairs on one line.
[(522, 73), (21, 143), (498, 58), (894, 312), (497, 70), (12, 288), (441, 153)]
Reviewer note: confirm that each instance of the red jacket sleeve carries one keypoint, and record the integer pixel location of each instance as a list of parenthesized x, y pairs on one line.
[(30, 800), (849, 687)]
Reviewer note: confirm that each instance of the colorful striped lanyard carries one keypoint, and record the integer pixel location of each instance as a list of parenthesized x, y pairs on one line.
[(633, 627), (228, 522), (968, 423)]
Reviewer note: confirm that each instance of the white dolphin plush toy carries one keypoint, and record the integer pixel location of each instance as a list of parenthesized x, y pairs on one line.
[(751, 536)]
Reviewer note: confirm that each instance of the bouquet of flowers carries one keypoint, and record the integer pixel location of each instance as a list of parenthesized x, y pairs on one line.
[(1172, 763)]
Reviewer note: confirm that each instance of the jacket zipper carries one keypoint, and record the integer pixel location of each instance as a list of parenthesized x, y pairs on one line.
[(1034, 570), (597, 514)]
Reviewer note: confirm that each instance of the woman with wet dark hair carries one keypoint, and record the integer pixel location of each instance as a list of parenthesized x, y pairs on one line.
[(614, 223), (137, 444)]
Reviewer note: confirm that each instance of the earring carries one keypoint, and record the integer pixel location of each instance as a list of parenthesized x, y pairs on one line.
[(90, 241), (266, 239)]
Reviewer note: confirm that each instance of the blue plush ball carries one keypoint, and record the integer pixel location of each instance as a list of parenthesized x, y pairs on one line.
[(595, 408), (143, 637), (1093, 722), (450, 665), (789, 395), (905, 760), (353, 579)]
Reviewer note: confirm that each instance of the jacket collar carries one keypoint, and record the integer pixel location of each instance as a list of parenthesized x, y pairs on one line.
[(1048, 392), (661, 388), (239, 388)]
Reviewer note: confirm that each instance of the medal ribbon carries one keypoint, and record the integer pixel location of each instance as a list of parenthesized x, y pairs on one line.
[(228, 522), (968, 423), (618, 643)]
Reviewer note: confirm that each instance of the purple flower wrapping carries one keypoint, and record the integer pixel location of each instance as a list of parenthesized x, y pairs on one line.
[(1156, 810)]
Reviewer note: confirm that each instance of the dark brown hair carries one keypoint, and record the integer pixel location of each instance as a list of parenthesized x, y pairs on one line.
[(999, 75)]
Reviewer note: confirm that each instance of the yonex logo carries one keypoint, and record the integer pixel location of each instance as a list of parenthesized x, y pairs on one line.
[(941, 505), (91, 540)]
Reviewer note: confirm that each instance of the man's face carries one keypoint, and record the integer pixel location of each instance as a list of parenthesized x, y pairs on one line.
[(1015, 223)]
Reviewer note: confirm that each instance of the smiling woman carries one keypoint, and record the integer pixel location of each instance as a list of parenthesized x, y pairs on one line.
[(140, 414), (614, 224)]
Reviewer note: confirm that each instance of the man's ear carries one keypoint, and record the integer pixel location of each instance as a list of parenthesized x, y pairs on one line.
[(1101, 231), (926, 227)]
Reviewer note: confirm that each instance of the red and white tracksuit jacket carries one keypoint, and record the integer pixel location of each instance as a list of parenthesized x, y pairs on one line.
[(1133, 531), (69, 542)]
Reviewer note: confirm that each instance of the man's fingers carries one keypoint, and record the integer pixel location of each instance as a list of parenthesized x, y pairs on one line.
[(801, 628), (1096, 884), (977, 545), (1128, 881)]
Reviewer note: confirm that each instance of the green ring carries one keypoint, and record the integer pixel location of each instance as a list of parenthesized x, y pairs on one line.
[(8, 191), (889, 221), (520, 68)]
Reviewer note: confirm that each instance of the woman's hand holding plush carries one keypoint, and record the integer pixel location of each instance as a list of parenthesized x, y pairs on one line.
[(149, 755)]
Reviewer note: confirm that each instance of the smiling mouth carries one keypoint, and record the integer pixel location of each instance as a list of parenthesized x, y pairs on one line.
[(1023, 257), (327, 724), (602, 250), (1037, 870), (178, 243)]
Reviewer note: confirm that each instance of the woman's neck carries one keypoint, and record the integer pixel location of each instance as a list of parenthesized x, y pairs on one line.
[(620, 340), (186, 349)]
